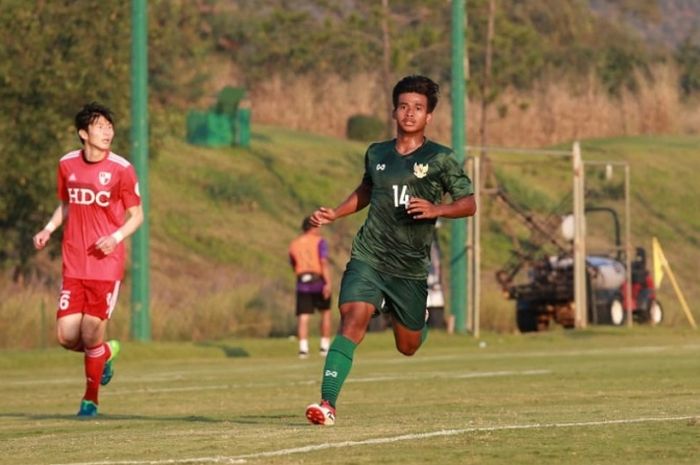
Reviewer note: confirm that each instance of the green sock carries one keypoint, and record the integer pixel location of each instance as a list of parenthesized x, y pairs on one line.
[(337, 368)]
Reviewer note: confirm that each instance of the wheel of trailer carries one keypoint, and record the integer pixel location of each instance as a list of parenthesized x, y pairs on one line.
[(526, 317), (656, 312), (617, 312)]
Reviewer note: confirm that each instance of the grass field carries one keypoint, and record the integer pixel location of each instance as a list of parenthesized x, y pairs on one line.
[(602, 395)]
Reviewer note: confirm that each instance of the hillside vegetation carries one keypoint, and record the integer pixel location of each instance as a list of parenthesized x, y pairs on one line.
[(560, 70), (221, 221)]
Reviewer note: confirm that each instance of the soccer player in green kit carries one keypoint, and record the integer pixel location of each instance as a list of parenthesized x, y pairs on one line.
[(404, 182)]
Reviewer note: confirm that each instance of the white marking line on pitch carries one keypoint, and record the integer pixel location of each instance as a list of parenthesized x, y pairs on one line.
[(388, 440), (373, 379)]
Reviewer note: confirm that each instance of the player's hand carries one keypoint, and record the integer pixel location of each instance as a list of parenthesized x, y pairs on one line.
[(326, 291), (322, 216), (421, 209), (41, 239), (106, 244)]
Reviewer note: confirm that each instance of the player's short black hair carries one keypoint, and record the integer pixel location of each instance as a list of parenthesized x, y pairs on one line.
[(419, 85), (89, 113), (306, 224)]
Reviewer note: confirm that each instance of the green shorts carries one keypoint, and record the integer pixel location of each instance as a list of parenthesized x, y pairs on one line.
[(404, 298)]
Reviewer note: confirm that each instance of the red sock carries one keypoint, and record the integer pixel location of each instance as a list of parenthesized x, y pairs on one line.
[(95, 358)]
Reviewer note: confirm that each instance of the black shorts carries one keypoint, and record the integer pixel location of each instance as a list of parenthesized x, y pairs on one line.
[(308, 302)]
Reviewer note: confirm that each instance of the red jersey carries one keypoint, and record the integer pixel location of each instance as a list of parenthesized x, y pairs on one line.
[(97, 195)]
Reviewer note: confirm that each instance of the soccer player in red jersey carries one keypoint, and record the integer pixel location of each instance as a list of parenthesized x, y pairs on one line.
[(97, 188)]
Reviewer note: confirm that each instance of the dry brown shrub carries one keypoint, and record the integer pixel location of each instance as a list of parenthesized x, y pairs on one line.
[(556, 110), (317, 105)]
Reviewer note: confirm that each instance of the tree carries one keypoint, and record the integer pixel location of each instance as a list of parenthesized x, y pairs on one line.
[(55, 58), (49, 67), (688, 59)]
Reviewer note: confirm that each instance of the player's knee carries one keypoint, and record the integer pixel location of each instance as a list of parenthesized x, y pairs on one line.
[(407, 348), (68, 343), (353, 329), (90, 338)]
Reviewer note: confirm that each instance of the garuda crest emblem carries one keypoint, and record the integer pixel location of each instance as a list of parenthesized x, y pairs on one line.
[(420, 170)]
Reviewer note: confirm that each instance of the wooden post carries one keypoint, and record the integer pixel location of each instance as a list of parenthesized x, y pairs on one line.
[(579, 240), (628, 249)]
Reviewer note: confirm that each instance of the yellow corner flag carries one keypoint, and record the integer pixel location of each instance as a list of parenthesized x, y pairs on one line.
[(661, 265), (659, 261)]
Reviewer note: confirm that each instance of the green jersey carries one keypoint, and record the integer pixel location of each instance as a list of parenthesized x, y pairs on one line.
[(390, 240)]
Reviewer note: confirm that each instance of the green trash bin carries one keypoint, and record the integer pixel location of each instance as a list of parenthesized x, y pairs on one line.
[(209, 129), (242, 125), (196, 127)]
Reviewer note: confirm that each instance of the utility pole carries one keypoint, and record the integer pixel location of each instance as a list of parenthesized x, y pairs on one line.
[(458, 241), (386, 68), (140, 290)]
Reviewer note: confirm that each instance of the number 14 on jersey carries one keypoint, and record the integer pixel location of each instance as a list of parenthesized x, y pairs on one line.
[(401, 196)]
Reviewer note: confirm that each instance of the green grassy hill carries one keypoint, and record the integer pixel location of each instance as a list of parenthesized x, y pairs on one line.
[(221, 223), (221, 220)]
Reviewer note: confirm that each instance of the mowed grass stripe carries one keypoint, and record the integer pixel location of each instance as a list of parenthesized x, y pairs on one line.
[(199, 373), (388, 440), (431, 375)]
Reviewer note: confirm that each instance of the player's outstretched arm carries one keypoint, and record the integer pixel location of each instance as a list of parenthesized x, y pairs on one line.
[(423, 209), (107, 244), (356, 201), (42, 237)]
